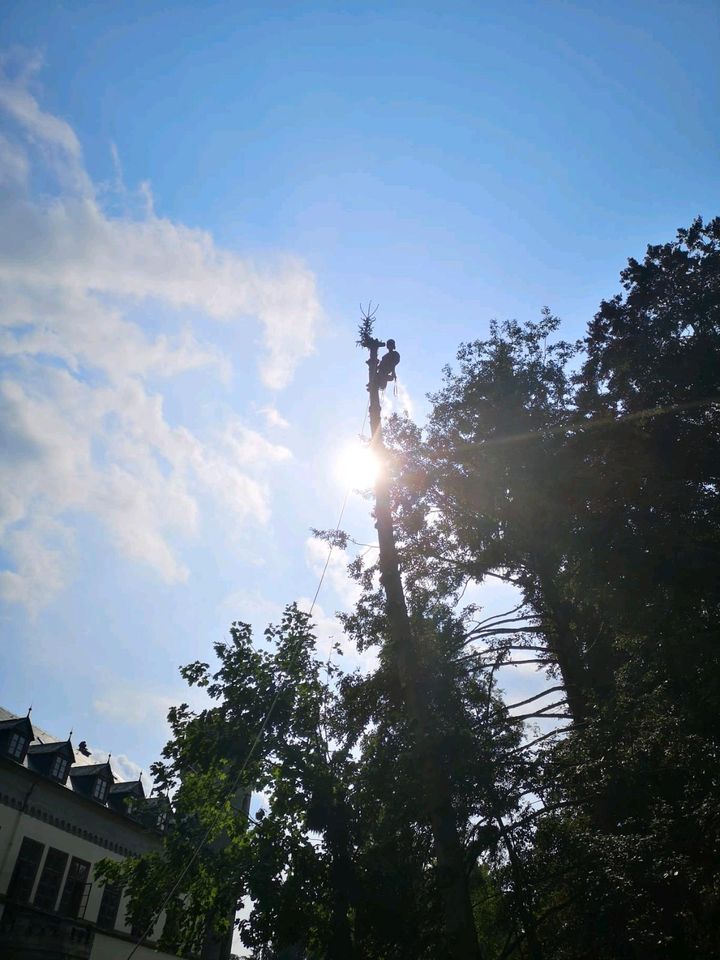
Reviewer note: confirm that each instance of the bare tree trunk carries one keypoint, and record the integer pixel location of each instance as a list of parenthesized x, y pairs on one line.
[(452, 875), (563, 643)]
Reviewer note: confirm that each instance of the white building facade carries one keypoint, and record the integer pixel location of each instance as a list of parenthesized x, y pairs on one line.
[(59, 815)]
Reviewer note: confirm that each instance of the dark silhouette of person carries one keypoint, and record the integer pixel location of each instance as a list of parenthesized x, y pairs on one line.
[(386, 367)]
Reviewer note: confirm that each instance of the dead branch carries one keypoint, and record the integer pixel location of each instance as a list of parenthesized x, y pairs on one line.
[(545, 736), (497, 616), (538, 696), (542, 712), (504, 649)]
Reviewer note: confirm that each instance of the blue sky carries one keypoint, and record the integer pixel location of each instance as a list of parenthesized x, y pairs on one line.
[(194, 200)]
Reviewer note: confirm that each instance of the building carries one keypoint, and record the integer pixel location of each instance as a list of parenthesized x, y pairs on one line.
[(60, 813)]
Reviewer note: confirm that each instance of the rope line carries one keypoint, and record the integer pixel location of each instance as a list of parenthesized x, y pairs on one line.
[(256, 741)]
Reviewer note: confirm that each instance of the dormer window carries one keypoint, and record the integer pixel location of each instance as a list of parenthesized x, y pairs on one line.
[(16, 747), (92, 779), (127, 798), (59, 768), (100, 789), (51, 759), (16, 735)]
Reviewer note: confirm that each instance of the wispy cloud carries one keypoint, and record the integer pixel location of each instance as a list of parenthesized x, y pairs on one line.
[(274, 418), (135, 705), (83, 421)]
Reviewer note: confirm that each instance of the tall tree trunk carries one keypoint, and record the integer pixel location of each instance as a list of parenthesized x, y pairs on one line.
[(452, 875), (563, 641)]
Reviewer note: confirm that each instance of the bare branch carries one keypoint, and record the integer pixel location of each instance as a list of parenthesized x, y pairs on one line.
[(499, 631), (545, 736), (476, 575), (504, 649), (541, 712), (518, 663), (496, 616), (489, 626), (542, 716), (538, 696)]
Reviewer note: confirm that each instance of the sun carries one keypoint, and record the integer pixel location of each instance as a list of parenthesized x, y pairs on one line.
[(357, 466)]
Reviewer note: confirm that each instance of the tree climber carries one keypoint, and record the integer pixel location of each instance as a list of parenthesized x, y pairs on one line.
[(386, 367)]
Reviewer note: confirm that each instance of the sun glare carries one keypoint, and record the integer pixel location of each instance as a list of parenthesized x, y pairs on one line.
[(357, 466)]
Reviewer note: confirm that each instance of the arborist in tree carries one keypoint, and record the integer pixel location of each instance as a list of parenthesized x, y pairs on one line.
[(386, 367)]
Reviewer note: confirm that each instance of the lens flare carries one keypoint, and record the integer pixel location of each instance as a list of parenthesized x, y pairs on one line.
[(357, 466)]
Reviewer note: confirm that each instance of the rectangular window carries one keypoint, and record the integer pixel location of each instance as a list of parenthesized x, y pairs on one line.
[(74, 891), (48, 886), (109, 906), (100, 789), (17, 746), (26, 868), (59, 766), (84, 899)]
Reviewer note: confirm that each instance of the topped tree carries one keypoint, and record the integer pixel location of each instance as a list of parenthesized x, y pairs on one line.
[(365, 329)]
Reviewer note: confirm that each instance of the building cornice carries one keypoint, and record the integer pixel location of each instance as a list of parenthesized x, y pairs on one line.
[(29, 805)]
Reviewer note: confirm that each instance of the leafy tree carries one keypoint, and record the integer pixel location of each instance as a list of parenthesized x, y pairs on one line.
[(268, 707)]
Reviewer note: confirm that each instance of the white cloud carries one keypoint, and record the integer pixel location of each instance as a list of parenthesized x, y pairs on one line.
[(126, 769), (14, 165), (39, 551), (274, 418), (133, 706), (83, 424), (252, 607), (16, 99), (70, 245)]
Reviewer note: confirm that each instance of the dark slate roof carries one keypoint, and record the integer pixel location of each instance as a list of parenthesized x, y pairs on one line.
[(10, 722), (128, 786), (91, 769), (56, 747)]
